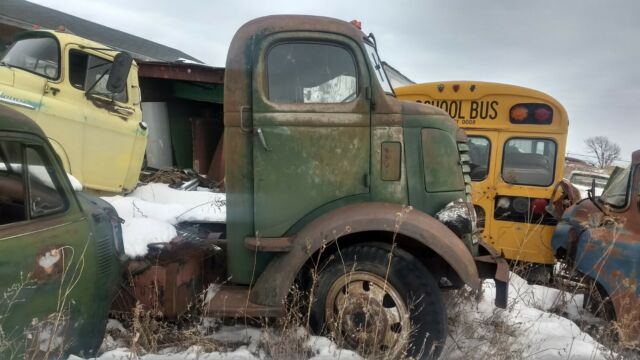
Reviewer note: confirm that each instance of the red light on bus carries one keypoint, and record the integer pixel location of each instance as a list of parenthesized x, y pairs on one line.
[(538, 206), (519, 113), (357, 24), (542, 115), (456, 87)]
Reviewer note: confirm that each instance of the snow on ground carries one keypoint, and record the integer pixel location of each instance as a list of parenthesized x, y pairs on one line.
[(253, 343), (151, 210), (529, 328)]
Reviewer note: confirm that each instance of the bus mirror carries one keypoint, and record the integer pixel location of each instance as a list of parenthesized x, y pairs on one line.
[(119, 72)]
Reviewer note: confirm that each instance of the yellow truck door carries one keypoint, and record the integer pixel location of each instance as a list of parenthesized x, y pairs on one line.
[(113, 135)]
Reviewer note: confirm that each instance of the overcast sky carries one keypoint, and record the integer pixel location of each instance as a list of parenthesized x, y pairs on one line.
[(585, 53)]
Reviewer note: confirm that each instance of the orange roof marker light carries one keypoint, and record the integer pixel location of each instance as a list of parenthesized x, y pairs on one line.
[(35, 27), (519, 113), (61, 28), (357, 24)]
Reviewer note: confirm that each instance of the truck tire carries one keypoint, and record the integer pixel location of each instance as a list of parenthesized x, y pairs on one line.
[(402, 316)]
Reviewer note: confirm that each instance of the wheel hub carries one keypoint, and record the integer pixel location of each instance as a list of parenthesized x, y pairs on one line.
[(368, 314)]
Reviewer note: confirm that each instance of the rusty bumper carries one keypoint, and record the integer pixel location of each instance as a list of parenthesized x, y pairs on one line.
[(491, 265)]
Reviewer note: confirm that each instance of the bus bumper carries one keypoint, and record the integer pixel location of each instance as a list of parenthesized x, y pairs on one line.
[(491, 265)]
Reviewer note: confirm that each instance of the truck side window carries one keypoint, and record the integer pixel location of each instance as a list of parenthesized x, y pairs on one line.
[(85, 70), (12, 192), (311, 73), (45, 195), (529, 161), (479, 150)]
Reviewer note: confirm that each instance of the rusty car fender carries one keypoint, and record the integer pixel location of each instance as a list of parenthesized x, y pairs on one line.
[(274, 283)]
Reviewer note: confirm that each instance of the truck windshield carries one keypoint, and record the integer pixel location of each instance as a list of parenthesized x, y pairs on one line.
[(383, 79), (616, 194), (39, 55)]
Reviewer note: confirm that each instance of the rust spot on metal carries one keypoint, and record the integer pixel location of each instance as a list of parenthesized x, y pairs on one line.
[(49, 263), (169, 280)]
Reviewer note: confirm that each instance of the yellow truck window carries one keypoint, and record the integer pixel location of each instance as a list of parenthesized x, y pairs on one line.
[(89, 72), (311, 73), (529, 161)]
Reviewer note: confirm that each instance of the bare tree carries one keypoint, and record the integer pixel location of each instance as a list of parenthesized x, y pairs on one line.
[(605, 151)]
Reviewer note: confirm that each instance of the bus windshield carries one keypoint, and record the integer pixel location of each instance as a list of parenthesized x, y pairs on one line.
[(39, 55), (616, 194)]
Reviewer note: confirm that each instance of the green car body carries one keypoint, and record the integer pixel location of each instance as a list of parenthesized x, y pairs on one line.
[(61, 252)]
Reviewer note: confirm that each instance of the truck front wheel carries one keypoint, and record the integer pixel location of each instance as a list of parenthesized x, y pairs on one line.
[(380, 304)]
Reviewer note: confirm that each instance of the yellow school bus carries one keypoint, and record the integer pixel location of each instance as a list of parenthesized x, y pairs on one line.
[(517, 139)]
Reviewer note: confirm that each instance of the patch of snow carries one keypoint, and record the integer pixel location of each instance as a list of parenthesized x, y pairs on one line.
[(199, 206), (532, 332), (115, 325), (325, 349), (138, 233), (130, 207), (151, 211), (453, 212), (193, 353)]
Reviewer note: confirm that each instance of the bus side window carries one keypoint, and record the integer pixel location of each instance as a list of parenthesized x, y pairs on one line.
[(479, 150), (529, 162)]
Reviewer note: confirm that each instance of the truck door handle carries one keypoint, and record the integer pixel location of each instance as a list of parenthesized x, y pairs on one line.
[(263, 141), (123, 110)]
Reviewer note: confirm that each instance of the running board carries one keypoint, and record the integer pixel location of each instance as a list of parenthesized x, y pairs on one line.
[(233, 301)]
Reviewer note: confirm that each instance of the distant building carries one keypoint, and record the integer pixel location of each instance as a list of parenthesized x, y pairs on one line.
[(19, 15)]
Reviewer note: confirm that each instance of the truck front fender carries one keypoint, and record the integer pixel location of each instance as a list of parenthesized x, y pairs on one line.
[(272, 286)]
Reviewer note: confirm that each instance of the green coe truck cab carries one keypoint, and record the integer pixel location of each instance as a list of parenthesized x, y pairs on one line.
[(335, 185), (61, 251)]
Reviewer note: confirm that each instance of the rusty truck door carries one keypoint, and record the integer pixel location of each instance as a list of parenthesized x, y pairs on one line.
[(311, 127), (43, 238)]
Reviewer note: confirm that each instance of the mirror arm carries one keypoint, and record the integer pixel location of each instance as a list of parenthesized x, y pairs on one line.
[(97, 81)]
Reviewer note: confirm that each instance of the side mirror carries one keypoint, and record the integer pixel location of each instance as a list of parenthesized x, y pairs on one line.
[(119, 72)]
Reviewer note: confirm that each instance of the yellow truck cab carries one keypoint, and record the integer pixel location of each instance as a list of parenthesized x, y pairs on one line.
[(517, 139), (64, 82)]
